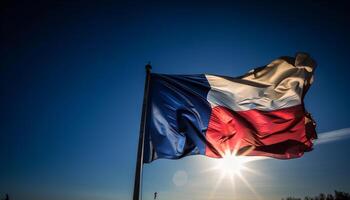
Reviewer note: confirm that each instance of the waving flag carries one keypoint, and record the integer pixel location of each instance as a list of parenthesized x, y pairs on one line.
[(260, 113)]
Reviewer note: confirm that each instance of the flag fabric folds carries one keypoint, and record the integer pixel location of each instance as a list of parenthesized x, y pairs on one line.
[(258, 114)]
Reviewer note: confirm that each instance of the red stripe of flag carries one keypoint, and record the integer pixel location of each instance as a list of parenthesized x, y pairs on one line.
[(278, 133)]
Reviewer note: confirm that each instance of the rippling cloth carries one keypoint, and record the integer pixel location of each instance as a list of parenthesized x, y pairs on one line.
[(258, 114)]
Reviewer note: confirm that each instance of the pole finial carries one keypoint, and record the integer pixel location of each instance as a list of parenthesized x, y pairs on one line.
[(148, 66)]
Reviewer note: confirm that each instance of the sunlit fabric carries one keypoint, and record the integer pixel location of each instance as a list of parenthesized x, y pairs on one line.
[(258, 114)]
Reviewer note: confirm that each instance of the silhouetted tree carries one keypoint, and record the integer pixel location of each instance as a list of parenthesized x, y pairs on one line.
[(341, 195), (292, 198), (337, 196), (6, 197), (329, 197)]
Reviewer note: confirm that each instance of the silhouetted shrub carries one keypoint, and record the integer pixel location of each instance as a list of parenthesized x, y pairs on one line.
[(337, 196)]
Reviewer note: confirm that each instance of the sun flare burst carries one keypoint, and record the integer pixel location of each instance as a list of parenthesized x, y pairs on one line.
[(232, 166)]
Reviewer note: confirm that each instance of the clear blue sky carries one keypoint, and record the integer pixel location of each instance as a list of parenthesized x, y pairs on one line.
[(71, 85)]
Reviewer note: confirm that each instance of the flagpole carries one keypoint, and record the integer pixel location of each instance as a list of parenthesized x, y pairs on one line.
[(139, 161)]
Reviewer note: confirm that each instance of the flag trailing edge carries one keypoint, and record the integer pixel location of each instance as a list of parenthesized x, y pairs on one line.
[(258, 114)]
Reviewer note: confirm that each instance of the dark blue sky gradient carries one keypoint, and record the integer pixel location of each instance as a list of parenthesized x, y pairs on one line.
[(71, 85)]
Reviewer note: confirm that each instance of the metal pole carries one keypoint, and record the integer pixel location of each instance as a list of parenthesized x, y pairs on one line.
[(139, 161)]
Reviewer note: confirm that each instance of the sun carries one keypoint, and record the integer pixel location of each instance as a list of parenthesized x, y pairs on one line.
[(230, 164)]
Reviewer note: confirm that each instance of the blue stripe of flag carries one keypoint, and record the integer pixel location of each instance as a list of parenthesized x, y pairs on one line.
[(177, 116)]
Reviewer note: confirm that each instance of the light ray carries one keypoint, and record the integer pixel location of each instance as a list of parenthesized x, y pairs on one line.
[(218, 182), (332, 136), (244, 168), (249, 186)]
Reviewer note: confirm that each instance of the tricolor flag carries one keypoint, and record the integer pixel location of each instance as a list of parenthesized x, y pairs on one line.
[(260, 113)]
